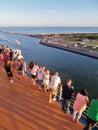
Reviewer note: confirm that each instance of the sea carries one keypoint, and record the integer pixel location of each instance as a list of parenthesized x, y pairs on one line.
[(81, 69), (50, 30)]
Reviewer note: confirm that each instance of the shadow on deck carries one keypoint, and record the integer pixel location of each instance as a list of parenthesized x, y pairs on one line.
[(24, 107)]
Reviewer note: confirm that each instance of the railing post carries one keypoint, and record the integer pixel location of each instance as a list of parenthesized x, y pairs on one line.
[(25, 66), (59, 92)]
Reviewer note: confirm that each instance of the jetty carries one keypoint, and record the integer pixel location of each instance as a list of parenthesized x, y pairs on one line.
[(24, 107), (70, 49)]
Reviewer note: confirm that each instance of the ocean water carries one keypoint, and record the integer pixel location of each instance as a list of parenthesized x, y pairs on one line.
[(81, 69), (50, 30)]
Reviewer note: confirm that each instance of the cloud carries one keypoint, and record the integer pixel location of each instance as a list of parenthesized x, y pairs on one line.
[(72, 12), (51, 11)]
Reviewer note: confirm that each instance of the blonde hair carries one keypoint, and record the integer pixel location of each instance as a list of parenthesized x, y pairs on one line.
[(47, 72)]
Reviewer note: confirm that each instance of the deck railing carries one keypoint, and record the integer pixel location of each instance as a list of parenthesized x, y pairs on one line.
[(59, 97), (84, 114)]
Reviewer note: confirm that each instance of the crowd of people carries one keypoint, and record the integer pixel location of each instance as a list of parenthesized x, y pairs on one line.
[(13, 59)]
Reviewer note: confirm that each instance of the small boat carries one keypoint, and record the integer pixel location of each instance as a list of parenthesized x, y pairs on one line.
[(17, 42)]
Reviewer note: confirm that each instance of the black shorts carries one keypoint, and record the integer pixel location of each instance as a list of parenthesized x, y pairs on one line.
[(10, 74), (34, 76), (20, 72)]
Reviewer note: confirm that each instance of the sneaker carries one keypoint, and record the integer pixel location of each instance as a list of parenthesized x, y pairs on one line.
[(54, 99), (12, 81), (76, 121), (40, 88), (50, 101), (45, 92), (67, 111)]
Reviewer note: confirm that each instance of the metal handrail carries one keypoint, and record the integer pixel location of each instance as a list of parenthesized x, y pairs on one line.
[(84, 114), (59, 96)]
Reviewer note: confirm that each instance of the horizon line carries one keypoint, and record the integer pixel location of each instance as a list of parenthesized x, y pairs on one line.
[(48, 26)]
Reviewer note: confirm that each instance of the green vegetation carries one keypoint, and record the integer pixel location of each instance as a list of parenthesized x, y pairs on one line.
[(85, 41)]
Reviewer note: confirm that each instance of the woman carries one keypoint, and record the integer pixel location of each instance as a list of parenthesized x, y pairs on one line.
[(46, 81), (34, 72), (20, 68), (8, 69), (80, 104), (30, 66)]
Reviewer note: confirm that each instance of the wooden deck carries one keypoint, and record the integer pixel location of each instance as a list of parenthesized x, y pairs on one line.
[(24, 107)]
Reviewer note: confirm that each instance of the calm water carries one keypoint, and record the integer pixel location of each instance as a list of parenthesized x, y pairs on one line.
[(82, 70), (48, 30)]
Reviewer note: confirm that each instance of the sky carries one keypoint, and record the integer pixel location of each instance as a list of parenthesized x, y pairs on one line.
[(49, 13)]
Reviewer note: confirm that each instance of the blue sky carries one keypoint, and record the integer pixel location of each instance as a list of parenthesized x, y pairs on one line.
[(49, 13)]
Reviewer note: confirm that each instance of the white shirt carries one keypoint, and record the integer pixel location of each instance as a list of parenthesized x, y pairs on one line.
[(34, 70), (40, 75), (55, 80), (20, 57)]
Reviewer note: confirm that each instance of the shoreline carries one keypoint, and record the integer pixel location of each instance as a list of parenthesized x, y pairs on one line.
[(65, 47), (70, 49)]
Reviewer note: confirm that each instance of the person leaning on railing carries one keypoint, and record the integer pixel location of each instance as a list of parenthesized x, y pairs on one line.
[(80, 105), (55, 81), (67, 92), (92, 115)]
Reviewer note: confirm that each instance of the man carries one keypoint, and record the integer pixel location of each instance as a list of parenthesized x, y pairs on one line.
[(67, 93), (55, 81), (92, 115)]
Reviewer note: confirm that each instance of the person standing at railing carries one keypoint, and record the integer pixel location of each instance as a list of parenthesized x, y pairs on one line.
[(20, 68), (30, 66), (67, 93), (92, 115), (34, 72), (8, 67), (46, 80), (54, 82), (40, 76), (80, 104)]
